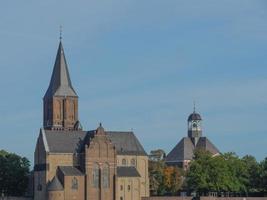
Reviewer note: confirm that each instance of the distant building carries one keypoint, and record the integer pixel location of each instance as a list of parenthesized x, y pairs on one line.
[(183, 152), (70, 163)]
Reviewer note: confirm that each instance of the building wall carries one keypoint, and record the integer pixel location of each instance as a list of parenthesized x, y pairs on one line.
[(60, 112), (128, 188), (205, 198), (57, 159), (55, 195), (40, 174), (167, 198), (71, 193), (141, 165), (100, 152)]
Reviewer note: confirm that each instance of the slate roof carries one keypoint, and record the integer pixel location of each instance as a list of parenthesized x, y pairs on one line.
[(126, 143), (60, 83), (54, 185), (194, 116), (64, 141), (184, 150), (207, 145), (55, 141), (127, 172), (70, 171)]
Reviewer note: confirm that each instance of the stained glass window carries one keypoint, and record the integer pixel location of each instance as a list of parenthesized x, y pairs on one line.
[(105, 176), (96, 175)]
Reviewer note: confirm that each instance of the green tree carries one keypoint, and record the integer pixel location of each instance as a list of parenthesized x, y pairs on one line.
[(239, 176), (253, 169), (263, 175), (207, 173), (156, 177), (217, 173), (163, 179), (14, 171)]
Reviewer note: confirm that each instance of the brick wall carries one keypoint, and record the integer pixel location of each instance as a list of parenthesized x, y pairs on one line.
[(233, 198), (205, 198), (167, 198)]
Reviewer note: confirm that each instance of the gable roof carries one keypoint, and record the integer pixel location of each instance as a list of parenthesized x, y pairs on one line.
[(206, 144), (184, 150), (60, 83), (74, 141), (126, 143), (127, 172), (54, 185), (64, 141), (70, 171)]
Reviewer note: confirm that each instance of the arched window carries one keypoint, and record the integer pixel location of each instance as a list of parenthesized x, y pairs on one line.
[(39, 187), (74, 184), (133, 163), (105, 176), (95, 181), (124, 162)]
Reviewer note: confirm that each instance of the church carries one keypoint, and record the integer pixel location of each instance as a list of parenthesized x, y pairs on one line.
[(183, 152), (72, 163)]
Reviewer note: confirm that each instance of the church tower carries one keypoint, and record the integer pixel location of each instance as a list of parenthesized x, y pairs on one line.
[(60, 102), (194, 127)]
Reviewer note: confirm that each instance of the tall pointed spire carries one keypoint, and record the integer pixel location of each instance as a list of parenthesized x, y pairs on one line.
[(60, 83), (60, 100)]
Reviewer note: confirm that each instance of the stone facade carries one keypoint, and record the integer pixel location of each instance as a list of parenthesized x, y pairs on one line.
[(141, 164)]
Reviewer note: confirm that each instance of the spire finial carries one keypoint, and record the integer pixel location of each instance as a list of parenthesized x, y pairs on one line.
[(194, 106), (60, 32)]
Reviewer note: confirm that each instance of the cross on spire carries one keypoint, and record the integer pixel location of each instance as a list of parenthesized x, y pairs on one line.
[(60, 32)]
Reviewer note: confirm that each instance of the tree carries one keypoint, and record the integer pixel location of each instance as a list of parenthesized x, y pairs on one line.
[(198, 177), (239, 176), (156, 177), (14, 171), (253, 169), (263, 175), (163, 179), (172, 179), (220, 173)]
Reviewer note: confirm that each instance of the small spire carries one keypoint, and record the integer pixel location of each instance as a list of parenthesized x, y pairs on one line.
[(100, 124), (194, 106), (60, 32)]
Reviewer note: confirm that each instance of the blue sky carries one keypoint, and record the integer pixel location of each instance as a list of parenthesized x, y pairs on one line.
[(140, 65)]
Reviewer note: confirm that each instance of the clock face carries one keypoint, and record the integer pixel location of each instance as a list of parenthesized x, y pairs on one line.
[(195, 125)]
